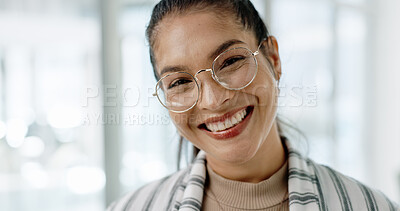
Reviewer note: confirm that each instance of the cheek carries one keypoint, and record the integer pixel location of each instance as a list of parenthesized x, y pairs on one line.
[(264, 88), (181, 122)]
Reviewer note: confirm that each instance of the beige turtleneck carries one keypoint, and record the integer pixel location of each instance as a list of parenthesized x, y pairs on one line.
[(229, 195)]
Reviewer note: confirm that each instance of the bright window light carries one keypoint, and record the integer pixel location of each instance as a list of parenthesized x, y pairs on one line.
[(85, 180), (16, 131)]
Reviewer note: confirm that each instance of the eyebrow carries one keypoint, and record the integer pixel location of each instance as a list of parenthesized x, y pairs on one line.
[(221, 48), (224, 46), (170, 69)]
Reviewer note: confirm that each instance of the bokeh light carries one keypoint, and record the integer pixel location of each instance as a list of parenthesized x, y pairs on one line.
[(16, 132), (152, 170), (64, 117), (85, 180), (33, 146)]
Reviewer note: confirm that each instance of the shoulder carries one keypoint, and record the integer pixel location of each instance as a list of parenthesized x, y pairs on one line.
[(158, 195), (342, 192), (349, 192), (315, 185)]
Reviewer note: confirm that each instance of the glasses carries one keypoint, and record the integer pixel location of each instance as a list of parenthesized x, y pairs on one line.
[(233, 69)]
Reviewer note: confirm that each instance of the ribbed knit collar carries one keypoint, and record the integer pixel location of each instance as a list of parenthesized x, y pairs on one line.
[(244, 195)]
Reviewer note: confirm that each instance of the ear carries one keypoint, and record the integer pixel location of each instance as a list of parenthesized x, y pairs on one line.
[(271, 51)]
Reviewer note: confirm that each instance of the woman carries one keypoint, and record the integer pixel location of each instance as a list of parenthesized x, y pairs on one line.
[(217, 71)]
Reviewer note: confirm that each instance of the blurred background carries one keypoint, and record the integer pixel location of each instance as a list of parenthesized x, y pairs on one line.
[(79, 126)]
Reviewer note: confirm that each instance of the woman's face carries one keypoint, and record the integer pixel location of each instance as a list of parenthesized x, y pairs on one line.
[(187, 42)]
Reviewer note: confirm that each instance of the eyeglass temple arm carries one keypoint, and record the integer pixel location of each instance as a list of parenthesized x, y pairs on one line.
[(155, 91), (259, 46), (258, 52)]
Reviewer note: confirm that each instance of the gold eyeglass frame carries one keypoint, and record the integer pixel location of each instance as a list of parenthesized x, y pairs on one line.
[(215, 78)]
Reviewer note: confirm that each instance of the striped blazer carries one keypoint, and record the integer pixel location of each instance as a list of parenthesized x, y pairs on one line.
[(311, 187)]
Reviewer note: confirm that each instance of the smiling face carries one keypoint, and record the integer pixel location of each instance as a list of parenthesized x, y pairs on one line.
[(231, 126)]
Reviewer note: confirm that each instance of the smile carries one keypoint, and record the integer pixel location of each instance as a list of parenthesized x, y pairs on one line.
[(228, 125)]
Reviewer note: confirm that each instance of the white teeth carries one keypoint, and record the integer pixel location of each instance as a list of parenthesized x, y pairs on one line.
[(221, 126), (228, 123), (212, 127), (238, 117)]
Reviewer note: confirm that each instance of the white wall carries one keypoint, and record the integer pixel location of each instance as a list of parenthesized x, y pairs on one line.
[(384, 99)]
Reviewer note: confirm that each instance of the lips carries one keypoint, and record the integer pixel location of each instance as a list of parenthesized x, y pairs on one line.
[(228, 125)]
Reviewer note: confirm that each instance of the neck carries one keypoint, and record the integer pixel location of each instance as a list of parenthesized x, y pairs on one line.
[(268, 160)]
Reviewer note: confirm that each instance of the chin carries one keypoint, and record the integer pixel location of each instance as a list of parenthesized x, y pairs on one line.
[(235, 154)]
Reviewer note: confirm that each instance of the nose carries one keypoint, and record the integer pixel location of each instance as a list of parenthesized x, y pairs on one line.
[(212, 94)]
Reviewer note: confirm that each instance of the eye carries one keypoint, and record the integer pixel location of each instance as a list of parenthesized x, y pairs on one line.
[(178, 82), (231, 60)]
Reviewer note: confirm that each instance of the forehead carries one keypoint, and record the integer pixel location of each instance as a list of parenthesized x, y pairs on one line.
[(183, 39)]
